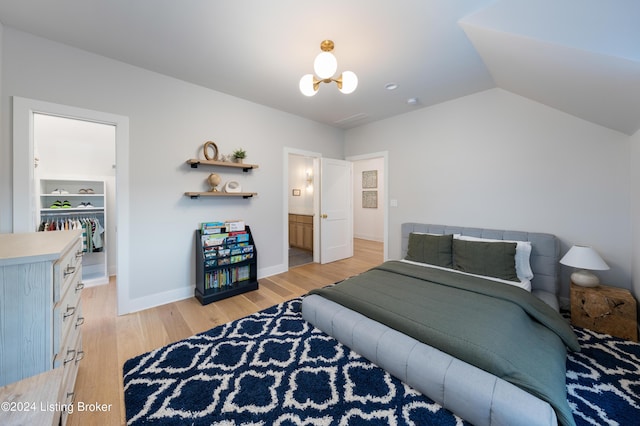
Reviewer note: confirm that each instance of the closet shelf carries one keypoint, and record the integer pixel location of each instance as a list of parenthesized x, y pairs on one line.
[(95, 268), (195, 162), (71, 195), (195, 195), (74, 210)]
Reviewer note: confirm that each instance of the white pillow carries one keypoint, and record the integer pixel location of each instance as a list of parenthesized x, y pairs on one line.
[(523, 252)]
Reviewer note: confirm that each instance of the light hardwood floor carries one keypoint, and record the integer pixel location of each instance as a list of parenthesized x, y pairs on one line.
[(109, 340)]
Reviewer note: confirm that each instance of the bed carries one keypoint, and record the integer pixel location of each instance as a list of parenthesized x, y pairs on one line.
[(437, 330)]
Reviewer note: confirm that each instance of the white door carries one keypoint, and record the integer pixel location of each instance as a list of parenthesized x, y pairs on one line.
[(336, 212)]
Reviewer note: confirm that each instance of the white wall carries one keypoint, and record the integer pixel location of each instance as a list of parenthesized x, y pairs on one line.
[(368, 223), (169, 122), (497, 160), (299, 169)]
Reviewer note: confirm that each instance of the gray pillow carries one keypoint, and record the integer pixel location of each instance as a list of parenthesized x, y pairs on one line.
[(431, 249), (492, 259)]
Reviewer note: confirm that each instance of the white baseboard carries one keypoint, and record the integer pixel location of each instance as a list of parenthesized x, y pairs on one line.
[(368, 237), (158, 299), (153, 300), (272, 270)]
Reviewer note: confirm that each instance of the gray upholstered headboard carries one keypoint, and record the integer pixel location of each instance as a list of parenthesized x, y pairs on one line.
[(545, 249)]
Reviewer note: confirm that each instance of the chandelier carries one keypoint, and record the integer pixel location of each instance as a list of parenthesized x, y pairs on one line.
[(325, 67)]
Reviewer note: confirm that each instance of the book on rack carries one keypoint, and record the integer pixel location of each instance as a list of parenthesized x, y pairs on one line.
[(212, 228), (228, 232), (217, 227), (223, 278), (234, 225), (214, 239)]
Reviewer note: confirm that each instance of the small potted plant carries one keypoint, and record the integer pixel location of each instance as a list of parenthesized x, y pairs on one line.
[(239, 155)]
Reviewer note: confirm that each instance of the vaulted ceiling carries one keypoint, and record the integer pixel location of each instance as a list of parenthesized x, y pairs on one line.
[(579, 56)]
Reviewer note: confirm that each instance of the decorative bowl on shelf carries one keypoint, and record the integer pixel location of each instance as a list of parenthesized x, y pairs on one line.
[(232, 187)]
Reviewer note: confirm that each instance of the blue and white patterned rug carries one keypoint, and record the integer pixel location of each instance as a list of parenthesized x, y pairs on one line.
[(274, 368)]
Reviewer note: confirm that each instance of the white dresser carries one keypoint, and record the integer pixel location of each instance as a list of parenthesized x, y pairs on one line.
[(40, 307)]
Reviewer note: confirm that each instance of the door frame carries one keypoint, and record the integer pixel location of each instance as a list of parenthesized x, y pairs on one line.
[(385, 156), (316, 200), (23, 176)]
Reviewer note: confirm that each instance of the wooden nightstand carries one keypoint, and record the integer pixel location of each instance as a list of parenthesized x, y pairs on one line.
[(605, 309)]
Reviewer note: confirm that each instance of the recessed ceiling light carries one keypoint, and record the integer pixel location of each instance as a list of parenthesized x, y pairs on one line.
[(391, 86), (412, 101)]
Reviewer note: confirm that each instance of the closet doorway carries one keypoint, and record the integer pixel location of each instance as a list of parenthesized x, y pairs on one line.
[(26, 190), (74, 176)]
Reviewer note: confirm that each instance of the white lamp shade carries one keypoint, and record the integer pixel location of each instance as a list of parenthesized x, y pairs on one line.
[(584, 257), (325, 65), (306, 85), (349, 82)]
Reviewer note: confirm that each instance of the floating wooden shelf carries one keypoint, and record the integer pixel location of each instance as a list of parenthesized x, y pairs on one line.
[(195, 162), (194, 195)]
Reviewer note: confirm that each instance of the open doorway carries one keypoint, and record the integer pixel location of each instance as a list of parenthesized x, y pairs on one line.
[(25, 198), (370, 198), (75, 187), (331, 184), (301, 209)]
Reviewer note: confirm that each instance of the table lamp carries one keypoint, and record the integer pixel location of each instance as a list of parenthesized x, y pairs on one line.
[(584, 258)]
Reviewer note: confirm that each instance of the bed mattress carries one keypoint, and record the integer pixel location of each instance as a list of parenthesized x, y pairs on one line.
[(471, 392)]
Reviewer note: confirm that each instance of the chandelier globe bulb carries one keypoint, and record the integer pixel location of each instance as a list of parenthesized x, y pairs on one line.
[(325, 65), (306, 85), (349, 82)]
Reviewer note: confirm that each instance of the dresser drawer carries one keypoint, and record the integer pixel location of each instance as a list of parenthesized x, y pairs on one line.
[(71, 329), (65, 312), (64, 269), (70, 372)]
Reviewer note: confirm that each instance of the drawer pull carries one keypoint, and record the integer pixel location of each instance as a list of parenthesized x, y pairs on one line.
[(79, 321), (70, 270), (79, 254), (79, 356), (79, 286), (70, 311), (71, 352)]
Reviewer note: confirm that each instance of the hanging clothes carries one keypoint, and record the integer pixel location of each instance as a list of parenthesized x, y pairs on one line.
[(97, 232), (92, 229)]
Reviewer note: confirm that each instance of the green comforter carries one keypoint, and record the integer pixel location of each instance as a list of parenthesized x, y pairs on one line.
[(499, 328)]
